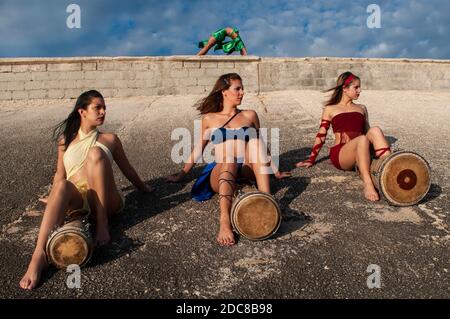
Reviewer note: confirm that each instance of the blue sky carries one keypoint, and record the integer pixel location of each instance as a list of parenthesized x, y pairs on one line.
[(295, 28)]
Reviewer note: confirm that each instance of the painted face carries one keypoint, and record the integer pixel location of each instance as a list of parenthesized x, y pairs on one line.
[(235, 92), (354, 89), (95, 112)]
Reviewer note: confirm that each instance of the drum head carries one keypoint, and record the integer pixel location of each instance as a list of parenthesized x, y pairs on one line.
[(69, 246), (404, 178), (256, 216)]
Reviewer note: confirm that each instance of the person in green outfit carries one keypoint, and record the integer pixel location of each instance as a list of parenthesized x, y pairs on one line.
[(217, 38)]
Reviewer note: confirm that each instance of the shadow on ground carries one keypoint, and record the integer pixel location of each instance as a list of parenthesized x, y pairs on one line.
[(139, 207)]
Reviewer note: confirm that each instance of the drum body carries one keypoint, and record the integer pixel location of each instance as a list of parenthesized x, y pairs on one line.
[(403, 178), (255, 215), (71, 243)]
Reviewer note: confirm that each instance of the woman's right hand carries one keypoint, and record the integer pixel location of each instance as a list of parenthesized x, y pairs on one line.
[(175, 178), (306, 164)]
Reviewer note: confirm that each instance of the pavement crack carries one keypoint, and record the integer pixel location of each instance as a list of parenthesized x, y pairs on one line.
[(261, 100), (124, 128), (310, 116), (438, 222)]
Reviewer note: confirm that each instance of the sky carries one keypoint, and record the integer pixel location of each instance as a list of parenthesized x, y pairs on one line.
[(289, 28)]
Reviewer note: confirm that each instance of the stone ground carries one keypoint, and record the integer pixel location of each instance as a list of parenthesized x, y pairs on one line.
[(164, 244)]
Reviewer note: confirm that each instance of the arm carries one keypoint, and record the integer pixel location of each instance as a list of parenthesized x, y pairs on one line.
[(193, 158), (122, 161), (366, 115), (320, 139), (60, 169)]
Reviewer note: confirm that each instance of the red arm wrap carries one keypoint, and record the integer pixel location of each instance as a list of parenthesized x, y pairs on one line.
[(316, 148)]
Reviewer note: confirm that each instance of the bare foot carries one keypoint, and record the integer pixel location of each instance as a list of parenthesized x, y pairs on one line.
[(102, 237), (37, 265), (225, 236), (371, 193)]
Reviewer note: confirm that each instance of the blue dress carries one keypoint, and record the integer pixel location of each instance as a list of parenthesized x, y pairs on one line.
[(202, 191)]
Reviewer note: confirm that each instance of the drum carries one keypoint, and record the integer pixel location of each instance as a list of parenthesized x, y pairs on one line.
[(71, 243), (255, 215), (403, 177)]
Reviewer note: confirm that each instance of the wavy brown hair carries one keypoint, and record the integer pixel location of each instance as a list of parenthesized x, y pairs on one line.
[(336, 96), (214, 101)]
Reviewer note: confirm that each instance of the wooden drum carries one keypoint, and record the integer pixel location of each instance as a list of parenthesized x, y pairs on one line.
[(403, 178), (255, 215), (71, 243)]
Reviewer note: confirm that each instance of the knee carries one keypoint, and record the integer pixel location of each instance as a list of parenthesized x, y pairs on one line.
[(252, 151), (254, 144), (61, 185), (374, 131), (229, 165), (363, 141), (253, 138), (228, 171), (251, 145), (95, 155), (211, 41)]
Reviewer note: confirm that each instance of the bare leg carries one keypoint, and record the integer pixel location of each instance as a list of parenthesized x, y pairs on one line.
[(377, 138), (211, 42), (223, 181), (234, 35), (102, 192), (259, 162), (64, 196), (357, 151)]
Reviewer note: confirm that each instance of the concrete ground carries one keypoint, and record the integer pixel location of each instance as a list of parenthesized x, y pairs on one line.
[(164, 244)]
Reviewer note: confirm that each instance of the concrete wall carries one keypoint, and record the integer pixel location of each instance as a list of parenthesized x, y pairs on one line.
[(39, 78)]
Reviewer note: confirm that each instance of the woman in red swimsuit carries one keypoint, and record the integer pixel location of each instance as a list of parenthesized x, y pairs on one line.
[(353, 134)]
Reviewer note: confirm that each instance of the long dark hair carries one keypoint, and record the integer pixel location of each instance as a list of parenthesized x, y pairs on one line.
[(214, 101), (68, 128), (343, 81)]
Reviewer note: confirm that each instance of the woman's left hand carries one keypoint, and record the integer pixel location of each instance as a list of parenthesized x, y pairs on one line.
[(281, 175)]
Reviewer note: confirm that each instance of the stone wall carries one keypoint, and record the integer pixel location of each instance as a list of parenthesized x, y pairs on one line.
[(56, 78)]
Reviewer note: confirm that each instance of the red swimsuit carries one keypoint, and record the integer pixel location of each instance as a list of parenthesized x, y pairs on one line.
[(349, 125)]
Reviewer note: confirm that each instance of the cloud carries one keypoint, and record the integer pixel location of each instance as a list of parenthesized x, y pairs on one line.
[(415, 29)]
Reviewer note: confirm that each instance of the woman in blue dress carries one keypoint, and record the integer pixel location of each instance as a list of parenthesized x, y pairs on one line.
[(239, 152)]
